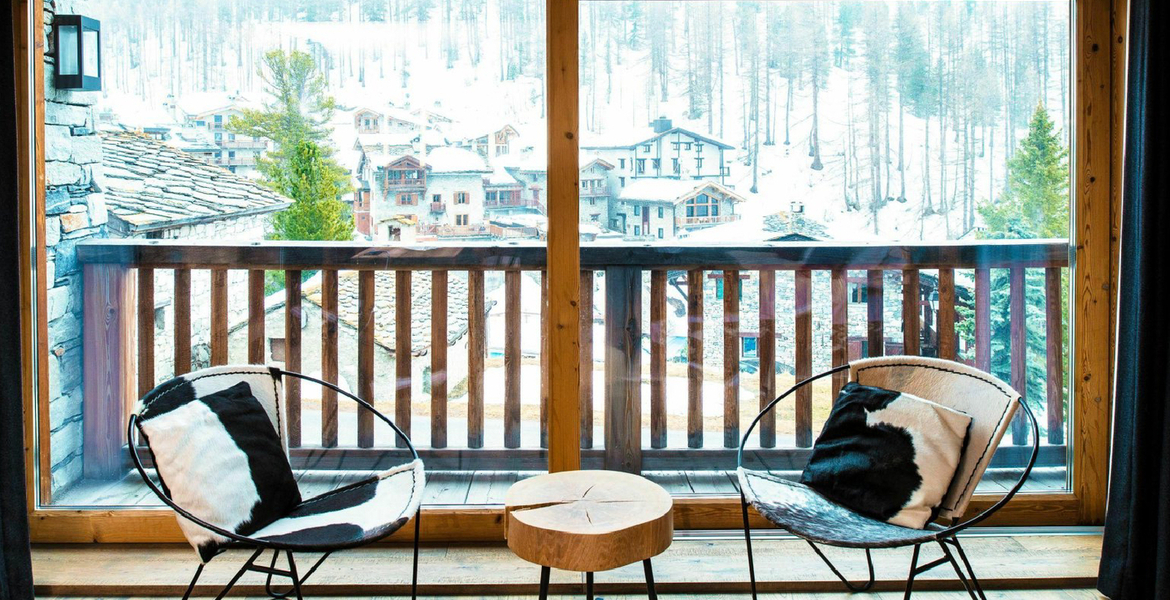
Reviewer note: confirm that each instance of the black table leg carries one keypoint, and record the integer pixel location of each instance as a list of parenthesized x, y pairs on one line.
[(544, 573), (589, 585), (650, 579)]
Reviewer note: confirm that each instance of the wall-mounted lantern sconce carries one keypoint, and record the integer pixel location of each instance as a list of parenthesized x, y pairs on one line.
[(78, 44)]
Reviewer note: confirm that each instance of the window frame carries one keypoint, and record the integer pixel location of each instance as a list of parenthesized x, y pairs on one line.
[(1098, 92)]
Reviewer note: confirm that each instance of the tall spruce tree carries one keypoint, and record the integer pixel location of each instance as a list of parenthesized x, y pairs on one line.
[(317, 212), (1035, 204)]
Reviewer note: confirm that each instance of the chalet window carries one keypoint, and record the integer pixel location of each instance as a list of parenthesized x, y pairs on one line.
[(656, 164), (637, 230), (621, 163), (702, 205), (660, 233), (407, 199), (437, 198), (641, 167), (750, 347), (699, 147), (462, 197), (461, 220), (699, 163), (661, 212), (677, 168), (637, 210), (646, 148)]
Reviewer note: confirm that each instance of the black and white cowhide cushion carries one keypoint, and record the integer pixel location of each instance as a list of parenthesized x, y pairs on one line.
[(216, 440), (887, 455), (355, 514)]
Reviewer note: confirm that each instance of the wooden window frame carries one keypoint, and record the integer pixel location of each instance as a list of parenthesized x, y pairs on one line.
[(1100, 30)]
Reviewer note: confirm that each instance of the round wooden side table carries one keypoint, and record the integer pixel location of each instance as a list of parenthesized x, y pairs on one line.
[(588, 521)]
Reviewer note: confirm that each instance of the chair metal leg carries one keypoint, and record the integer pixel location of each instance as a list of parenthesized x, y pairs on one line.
[(191, 586), (268, 581), (747, 536), (292, 569), (958, 570), (852, 587), (913, 572), (544, 574), (970, 571), (414, 570), (650, 579), (589, 585), (240, 573)]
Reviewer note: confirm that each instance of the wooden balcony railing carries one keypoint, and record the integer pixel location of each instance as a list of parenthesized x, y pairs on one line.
[(119, 327)]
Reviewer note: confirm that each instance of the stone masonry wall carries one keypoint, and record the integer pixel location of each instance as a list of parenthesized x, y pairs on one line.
[(74, 210)]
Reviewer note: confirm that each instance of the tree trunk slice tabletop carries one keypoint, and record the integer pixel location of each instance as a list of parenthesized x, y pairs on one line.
[(588, 520)]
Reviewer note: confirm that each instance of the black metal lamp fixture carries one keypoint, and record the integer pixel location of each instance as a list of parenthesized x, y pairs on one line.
[(78, 44)]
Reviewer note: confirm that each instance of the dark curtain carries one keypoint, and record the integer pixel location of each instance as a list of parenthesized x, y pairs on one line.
[(1135, 560), (15, 566)]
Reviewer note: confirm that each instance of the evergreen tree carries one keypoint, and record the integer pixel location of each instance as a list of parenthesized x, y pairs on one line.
[(1035, 202), (314, 184), (298, 111), (1034, 205)]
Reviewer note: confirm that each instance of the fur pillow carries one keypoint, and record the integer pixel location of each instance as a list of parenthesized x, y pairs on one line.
[(218, 452), (887, 455)]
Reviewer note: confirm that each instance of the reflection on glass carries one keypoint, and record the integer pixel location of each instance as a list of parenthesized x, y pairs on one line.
[(91, 52), (878, 131), (67, 50), (307, 126)]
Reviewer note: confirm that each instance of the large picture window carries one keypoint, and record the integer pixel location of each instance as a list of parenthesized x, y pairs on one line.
[(251, 185)]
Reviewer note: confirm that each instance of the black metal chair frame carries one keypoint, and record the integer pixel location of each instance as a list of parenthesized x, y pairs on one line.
[(242, 541), (944, 537)]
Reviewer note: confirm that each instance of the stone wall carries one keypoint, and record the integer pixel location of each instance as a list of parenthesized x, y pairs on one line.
[(74, 210)]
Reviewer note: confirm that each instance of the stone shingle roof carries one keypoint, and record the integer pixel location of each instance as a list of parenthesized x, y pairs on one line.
[(384, 306), (150, 185)]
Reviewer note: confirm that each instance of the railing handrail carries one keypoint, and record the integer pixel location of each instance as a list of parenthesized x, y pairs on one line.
[(532, 255)]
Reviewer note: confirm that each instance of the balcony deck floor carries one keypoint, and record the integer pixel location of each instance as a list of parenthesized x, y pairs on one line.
[(489, 487)]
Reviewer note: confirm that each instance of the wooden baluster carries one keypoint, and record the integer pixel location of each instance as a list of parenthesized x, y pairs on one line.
[(946, 314), (403, 324), (328, 357), (1053, 332), (108, 339), (731, 358), (475, 353), (219, 317), (803, 328), (543, 360), (586, 388), (876, 318), (512, 359), (658, 359), (292, 354), (256, 317), (439, 359), (983, 319), (840, 327), (1019, 350), (623, 369), (182, 308), (365, 361), (695, 359), (145, 331), (911, 313), (766, 347)]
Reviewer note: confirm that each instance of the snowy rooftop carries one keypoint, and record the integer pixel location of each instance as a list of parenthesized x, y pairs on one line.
[(150, 186), (671, 190), (628, 138), (501, 177), (197, 103), (455, 160)]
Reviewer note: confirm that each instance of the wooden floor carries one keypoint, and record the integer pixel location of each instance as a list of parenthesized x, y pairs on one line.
[(489, 487), (1051, 566)]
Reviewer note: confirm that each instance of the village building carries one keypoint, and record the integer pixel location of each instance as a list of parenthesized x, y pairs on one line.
[(443, 196), (663, 151), (488, 142), (211, 112), (390, 120), (659, 209)]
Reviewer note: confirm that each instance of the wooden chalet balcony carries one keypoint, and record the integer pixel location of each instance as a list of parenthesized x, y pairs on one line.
[(119, 324), (692, 221), (516, 203)]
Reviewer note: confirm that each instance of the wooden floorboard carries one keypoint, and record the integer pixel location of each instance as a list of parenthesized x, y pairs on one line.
[(489, 487), (1061, 564)]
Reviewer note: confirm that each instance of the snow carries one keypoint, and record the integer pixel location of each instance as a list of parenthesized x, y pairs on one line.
[(454, 160)]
